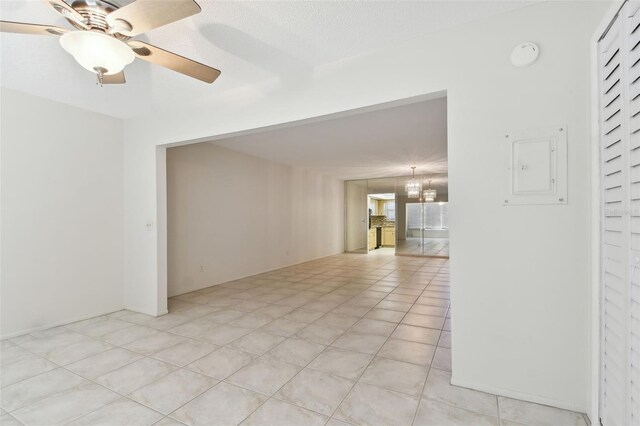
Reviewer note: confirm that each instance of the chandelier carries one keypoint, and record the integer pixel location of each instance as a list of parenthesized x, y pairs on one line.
[(429, 195), (413, 186)]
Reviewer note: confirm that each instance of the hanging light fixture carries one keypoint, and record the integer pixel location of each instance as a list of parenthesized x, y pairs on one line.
[(429, 195), (413, 186)]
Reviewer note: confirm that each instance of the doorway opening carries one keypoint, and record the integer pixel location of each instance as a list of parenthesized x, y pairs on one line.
[(382, 222), (382, 218)]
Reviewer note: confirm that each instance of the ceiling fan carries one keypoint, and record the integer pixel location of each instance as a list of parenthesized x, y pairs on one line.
[(102, 42)]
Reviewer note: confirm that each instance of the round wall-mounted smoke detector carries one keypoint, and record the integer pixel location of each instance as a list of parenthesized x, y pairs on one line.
[(524, 54)]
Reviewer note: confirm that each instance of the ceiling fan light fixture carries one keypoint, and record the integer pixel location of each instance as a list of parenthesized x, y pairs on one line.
[(97, 51)]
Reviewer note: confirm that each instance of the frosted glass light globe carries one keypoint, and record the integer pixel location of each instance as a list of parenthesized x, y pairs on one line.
[(94, 50)]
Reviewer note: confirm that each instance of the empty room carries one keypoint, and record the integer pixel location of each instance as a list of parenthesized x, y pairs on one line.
[(319, 213)]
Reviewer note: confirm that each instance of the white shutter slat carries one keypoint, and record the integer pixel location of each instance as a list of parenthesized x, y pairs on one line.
[(613, 166)]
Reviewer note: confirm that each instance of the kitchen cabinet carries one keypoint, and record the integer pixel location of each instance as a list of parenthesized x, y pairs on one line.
[(389, 236), (372, 238)]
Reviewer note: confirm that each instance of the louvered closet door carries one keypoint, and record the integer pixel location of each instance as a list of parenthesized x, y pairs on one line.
[(614, 225), (633, 299), (619, 86)]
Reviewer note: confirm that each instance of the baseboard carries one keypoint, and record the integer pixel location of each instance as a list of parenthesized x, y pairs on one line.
[(56, 324), (518, 395)]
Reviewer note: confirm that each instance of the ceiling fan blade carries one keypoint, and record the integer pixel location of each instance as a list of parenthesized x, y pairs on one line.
[(174, 62), (114, 78), (24, 28), (144, 15), (67, 11)]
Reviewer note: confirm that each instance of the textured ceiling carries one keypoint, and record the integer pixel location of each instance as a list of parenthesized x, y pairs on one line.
[(250, 42), (380, 143)]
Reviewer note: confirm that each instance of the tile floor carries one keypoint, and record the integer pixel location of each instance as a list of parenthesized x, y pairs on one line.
[(348, 339), (423, 247)]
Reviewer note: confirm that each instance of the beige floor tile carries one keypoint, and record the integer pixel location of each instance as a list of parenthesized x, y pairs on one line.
[(185, 352), (66, 406), (445, 339), (336, 422), (403, 350), (194, 328), (67, 347), (122, 412), (154, 343), (225, 334), (173, 390), (274, 311), (371, 405), (437, 311), (101, 328), (320, 334), (351, 310), (275, 412), (423, 321), (442, 359), (134, 376), (249, 306), (385, 315), (535, 414), (401, 298), (135, 317), (128, 335), (167, 421), (371, 326), (432, 413), (194, 310), (19, 364), (166, 322), (358, 342), (337, 321), (77, 325), (315, 390), (440, 389), (224, 316), (284, 327), (97, 365), (430, 301), (253, 320), (394, 306), (39, 387), (343, 363), (265, 375), (304, 315), (412, 333), (396, 375), (8, 420), (447, 325), (257, 342), (224, 404), (221, 363), (296, 351)]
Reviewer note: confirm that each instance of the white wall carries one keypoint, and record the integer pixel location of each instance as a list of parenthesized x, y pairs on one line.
[(356, 215), (237, 215), (61, 213), (520, 289)]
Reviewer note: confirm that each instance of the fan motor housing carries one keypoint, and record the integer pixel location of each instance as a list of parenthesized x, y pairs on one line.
[(95, 12)]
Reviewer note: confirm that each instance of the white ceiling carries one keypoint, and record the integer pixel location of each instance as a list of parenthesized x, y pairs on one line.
[(250, 42), (380, 143)]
